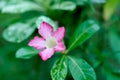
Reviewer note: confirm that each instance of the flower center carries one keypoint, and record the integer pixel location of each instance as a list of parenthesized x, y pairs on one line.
[(51, 42)]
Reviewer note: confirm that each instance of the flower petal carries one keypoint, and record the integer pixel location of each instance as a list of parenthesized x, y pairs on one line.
[(45, 30), (60, 47), (59, 33), (46, 54), (37, 43)]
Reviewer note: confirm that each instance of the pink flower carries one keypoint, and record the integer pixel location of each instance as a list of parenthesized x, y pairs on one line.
[(50, 42)]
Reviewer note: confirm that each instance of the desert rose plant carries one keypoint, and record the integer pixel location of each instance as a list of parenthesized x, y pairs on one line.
[(59, 40)]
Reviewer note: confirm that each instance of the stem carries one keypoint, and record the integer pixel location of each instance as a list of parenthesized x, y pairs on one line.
[(62, 58)]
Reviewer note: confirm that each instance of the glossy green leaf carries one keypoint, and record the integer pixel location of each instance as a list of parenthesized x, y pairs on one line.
[(59, 69), (80, 69), (21, 7), (18, 32), (66, 5), (46, 19), (109, 8), (26, 52), (82, 33)]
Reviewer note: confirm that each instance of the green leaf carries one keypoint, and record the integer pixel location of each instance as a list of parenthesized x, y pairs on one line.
[(66, 5), (18, 32), (21, 7), (26, 52), (59, 69), (82, 33), (109, 8), (46, 19), (80, 69)]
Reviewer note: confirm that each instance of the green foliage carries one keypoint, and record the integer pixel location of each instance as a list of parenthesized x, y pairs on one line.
[(98, 1), (111, 76), (2, 4), (82, 33), (80, 69), (59, 70), (18, 32), (21, 7), (66, 5), (7, 19), (114, 40), (26, 52), (109, 8), (82, 2), (92, 50), (117, 56)]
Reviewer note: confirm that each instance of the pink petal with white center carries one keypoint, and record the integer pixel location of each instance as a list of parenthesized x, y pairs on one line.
[(46, 54), (45, 30), (37, 42), (60, 46), (59, 33)]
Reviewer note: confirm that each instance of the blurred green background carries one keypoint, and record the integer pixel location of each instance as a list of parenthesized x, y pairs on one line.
[(101, 51)]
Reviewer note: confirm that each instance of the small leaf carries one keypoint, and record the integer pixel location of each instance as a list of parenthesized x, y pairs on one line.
[(46, 19), (26, 52), (82, 33), (66, 5), (18, 32), (80, 69), (59, 69), (21, 7)]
